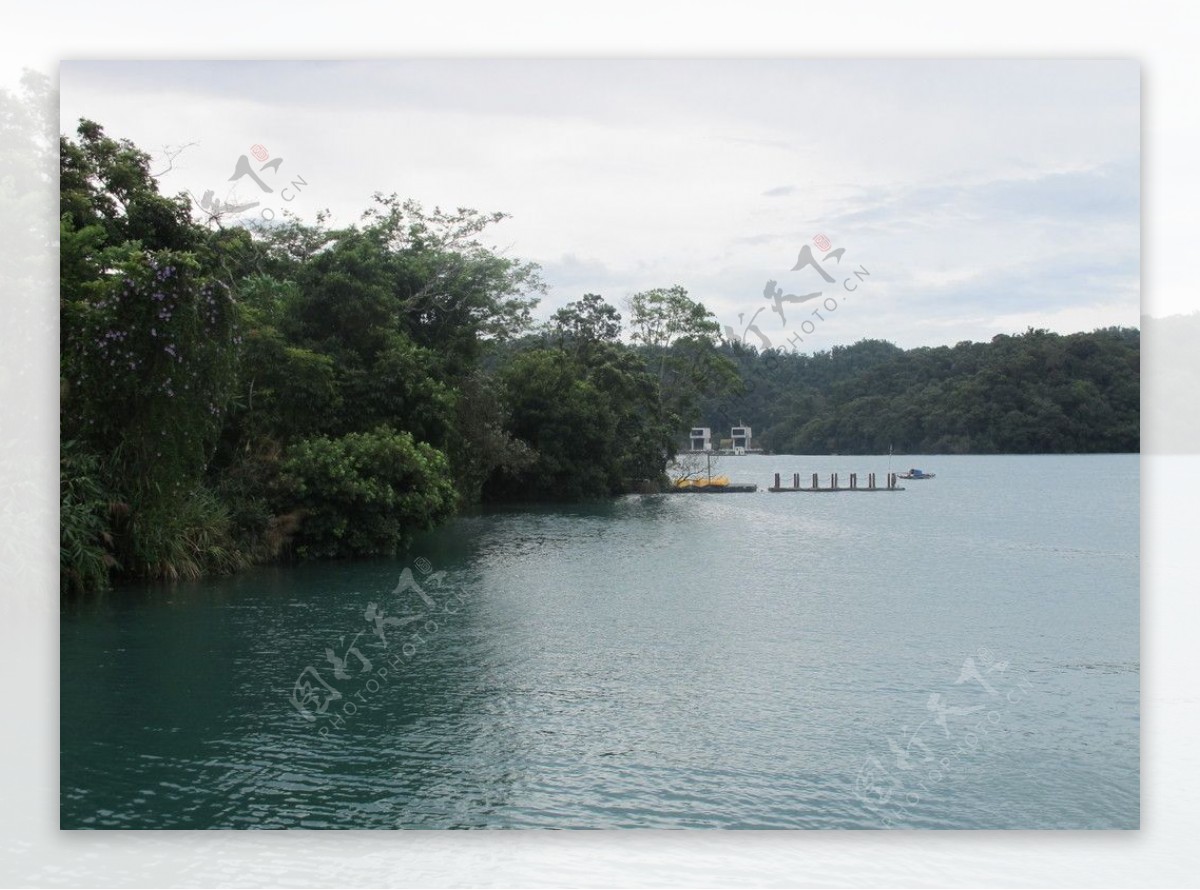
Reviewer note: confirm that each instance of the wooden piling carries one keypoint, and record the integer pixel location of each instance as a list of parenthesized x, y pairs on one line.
[(892, 483)]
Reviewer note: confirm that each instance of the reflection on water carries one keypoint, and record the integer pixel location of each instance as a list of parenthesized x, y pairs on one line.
[(961, 654)]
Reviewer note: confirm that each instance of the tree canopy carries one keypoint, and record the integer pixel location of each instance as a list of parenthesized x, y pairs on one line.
[(236, 393)]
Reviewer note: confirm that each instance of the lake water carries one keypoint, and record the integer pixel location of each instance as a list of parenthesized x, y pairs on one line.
[(962, 654)]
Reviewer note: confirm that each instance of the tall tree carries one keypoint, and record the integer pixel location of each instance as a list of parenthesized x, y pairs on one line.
[(679, 339), (148, 350), (586, 322)]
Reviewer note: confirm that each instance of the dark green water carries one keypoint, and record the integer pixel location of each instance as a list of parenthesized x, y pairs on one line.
[(963, 654)]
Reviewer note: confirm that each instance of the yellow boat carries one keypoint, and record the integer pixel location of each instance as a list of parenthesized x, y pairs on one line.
[(713, 482)]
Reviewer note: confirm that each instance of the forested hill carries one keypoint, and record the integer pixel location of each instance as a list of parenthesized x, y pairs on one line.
[(1036, 392)]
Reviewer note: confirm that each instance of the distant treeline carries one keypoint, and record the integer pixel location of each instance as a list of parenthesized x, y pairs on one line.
[(1035, 392)]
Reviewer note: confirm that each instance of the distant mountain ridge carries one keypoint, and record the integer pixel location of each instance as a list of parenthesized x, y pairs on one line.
[(1037, 392)]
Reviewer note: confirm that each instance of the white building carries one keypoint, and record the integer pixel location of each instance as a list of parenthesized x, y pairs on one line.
[(701, 438), (740, 436)]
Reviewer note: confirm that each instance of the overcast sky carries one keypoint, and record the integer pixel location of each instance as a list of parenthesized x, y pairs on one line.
[(982, 197)]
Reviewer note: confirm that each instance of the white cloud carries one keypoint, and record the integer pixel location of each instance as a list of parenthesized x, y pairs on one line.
[(975, 191)]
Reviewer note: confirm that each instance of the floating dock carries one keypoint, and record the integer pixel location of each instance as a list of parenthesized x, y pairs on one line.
[(731, 488), (834, 486)]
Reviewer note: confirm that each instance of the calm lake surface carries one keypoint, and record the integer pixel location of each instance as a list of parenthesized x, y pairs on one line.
[(962, 654)]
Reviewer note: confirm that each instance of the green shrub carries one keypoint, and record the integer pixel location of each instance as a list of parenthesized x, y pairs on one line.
[(189, 538), (365, 493), (85, 539)]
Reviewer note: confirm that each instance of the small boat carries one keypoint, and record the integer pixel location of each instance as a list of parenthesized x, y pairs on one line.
[(914, 473)]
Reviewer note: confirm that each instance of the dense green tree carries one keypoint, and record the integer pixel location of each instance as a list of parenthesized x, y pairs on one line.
[(600, 415), (1035, 392), (644, 435), (483, 444), (381, 324), (149, 351), (678, 338), (567, 422), (586, 322), (107, 183)]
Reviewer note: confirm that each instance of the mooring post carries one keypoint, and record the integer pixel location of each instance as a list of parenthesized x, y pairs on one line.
[(795, 480), (815, 484), (854, 480), (833, 481), (871, 480), (776, 480)]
